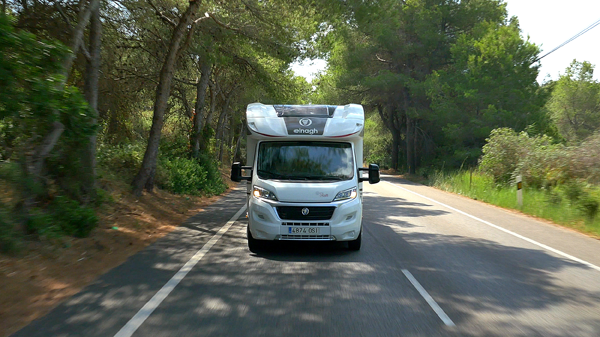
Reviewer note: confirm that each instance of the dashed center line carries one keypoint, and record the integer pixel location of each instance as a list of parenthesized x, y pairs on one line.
[(432, 303)]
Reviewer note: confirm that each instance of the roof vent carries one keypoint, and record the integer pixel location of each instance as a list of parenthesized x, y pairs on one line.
[(322, 111)]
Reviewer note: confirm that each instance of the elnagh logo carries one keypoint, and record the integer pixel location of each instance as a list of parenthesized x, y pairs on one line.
[(305, 122), (306, 131)]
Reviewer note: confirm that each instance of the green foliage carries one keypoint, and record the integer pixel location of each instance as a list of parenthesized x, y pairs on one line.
[(377, 143), (575, 102), (440, 91), (189, 176), (63, 216), (540, 162), (182, 176), (507, 154), (34, 96), (121, 159), (9, 242), (589, 207), (72, 218)]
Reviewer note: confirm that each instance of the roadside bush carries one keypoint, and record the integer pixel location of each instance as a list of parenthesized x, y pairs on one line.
[(589, 206), (63, 216), (214, 181), (181, 175), (190, 176), (178, 173), (584, 160), (73, 219), (121, 159), (501, 154), (508, 154), (9, 243)]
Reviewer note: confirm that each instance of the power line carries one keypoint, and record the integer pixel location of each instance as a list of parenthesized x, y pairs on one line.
[(592, 26)]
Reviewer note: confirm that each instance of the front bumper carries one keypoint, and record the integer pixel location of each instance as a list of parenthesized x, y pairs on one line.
[(265, 223)]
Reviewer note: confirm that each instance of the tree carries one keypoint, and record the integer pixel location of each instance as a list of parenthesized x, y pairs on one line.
[(491, 84), (405, 59), (37, 112), (261, 32), (574, 105), (145, 177)]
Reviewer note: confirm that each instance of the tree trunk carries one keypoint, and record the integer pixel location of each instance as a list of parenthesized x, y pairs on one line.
[(92, 73), (213, 103), (238, 143), (219, 131), (410, 160), (211, 113), (223, 137), (83, 18), (395, 149), (409, 139), (205, 70), (390, 120), (145, 176), (54, 134)]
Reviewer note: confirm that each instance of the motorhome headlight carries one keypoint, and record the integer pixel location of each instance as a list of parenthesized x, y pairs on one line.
[(346, 195), (262, 193)]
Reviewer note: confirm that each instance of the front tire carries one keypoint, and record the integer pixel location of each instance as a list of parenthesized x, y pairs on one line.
[(253, 244), (355, 244)]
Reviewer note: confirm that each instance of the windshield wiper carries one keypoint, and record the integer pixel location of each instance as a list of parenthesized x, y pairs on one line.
[(316, 178), (271, 175)]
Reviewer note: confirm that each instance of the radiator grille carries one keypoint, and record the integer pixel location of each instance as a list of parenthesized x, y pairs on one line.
[(314, 212)]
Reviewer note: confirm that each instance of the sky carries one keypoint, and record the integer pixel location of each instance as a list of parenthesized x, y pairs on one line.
[(547, 23)]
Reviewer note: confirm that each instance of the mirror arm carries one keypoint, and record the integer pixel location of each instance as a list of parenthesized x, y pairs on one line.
[(360, 178)]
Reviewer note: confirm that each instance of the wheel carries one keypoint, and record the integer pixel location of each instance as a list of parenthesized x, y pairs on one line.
[(253, 244), (355, 244)]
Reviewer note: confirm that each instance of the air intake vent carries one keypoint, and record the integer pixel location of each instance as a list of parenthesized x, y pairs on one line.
[(307, 237), (311, 224)]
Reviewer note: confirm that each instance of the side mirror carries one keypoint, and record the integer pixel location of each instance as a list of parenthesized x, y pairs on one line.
[(373, 177), (236, 172), (373, 173)]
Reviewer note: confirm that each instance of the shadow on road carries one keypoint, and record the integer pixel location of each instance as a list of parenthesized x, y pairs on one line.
[(300, 289)]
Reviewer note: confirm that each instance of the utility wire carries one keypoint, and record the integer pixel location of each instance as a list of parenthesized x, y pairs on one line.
[(592, 26)]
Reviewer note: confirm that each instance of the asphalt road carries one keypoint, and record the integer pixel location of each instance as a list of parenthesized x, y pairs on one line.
[(432, 264)]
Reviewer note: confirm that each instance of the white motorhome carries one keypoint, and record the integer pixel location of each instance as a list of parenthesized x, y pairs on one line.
[(305, 173)]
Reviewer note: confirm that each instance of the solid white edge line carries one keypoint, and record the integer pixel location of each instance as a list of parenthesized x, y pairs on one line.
[(432, 303), (134, 323), (541, 245)]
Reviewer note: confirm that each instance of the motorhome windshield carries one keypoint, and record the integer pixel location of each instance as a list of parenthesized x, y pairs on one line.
[(305, 161)]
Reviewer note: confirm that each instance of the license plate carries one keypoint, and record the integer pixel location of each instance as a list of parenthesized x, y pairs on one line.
[(304, 230)]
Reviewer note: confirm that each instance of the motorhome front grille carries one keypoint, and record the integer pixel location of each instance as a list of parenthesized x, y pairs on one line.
[(311, 224), (306, 237), (314, 212)]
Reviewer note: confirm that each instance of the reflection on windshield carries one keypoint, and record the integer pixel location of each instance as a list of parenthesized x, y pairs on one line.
[(305, 161)]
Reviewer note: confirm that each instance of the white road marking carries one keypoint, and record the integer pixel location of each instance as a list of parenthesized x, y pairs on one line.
[(139, 318), (556, 251), (441, 314)]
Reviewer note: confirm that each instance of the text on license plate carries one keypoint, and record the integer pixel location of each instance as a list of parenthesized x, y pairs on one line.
[(303, 230)]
